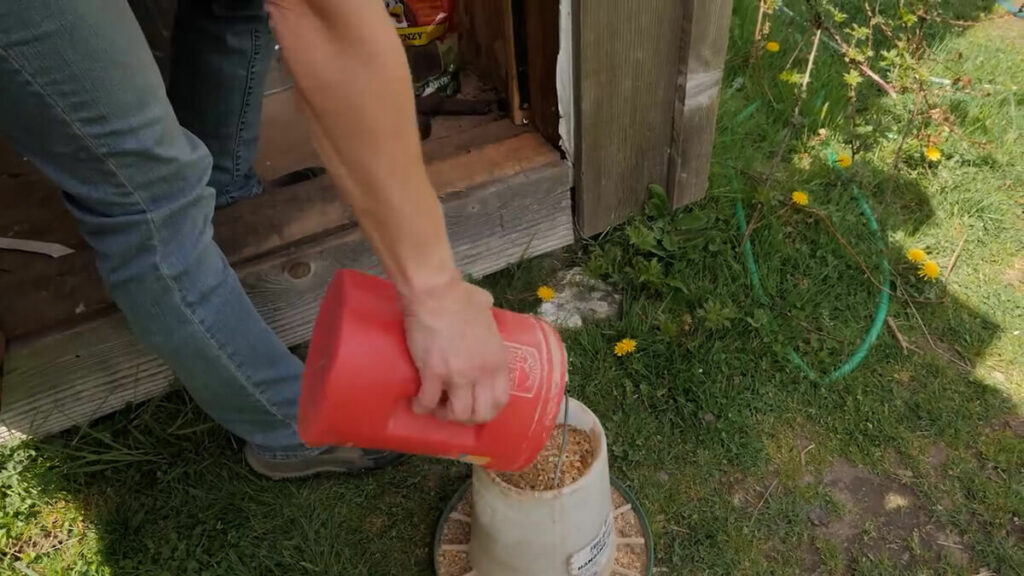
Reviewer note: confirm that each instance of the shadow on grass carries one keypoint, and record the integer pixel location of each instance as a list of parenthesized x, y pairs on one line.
[(161, 489)]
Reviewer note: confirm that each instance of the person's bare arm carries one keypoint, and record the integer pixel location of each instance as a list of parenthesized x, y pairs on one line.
[(352, 75)]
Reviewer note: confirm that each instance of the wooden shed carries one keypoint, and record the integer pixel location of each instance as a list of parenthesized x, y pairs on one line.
[(600, 98)]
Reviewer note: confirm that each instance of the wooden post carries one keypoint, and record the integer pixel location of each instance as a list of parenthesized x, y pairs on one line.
[(3, 349), (627, 65), (516, 112), (702, 60)]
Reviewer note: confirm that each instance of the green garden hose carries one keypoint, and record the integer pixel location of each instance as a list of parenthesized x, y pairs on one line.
[(883, 299)]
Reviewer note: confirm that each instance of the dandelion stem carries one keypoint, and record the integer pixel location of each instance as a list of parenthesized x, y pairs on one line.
[(899, 336), (755, 48), (955, 258), (810, 64), (753, 223)]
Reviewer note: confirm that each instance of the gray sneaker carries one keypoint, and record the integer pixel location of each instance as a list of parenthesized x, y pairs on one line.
[(336, 459)]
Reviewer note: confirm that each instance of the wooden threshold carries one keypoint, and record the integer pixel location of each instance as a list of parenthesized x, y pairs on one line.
[(506, 195)]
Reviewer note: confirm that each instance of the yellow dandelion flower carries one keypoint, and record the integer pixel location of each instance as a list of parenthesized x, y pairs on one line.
[(917, 255), (625, 346), (546, 293), (844, 161), (929, 271), (772, 47), (933, 154), (800, 198)]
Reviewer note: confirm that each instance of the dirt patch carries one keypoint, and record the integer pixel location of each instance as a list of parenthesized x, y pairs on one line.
[(882, 518), (1014, 277), (579, 454), (377, 525), (938, 454), (752, 495), (1005, 27), (1013, 424)]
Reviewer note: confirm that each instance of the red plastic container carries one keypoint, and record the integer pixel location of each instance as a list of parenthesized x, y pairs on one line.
[(359, 383)]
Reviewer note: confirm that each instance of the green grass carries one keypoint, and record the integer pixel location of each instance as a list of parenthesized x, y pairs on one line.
[(726, 444)]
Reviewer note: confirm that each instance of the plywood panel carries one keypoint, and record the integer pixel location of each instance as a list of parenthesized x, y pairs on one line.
[(627, 69)]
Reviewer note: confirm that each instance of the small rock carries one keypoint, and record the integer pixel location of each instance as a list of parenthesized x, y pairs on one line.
[(708, 418), (579, 299), (818, 516)]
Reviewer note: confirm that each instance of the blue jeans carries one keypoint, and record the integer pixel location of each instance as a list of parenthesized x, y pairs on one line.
[(82, 97)]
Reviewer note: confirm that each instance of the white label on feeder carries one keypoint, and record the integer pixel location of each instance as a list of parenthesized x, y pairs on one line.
[(590, 560)]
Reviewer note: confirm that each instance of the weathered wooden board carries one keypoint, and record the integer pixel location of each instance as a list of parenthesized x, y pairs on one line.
[(38, 294), (488, 152), (627, 64), (703, 52), (490, 227), (31, 208), (70, 377), (53, 293)]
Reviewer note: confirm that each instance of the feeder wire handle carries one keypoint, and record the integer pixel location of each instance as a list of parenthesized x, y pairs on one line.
[(565, 439)]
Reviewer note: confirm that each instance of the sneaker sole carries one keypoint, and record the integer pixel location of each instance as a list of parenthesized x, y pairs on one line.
[(319, 469)]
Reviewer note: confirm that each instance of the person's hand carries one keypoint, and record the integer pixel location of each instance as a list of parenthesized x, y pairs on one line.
[(462, 360)]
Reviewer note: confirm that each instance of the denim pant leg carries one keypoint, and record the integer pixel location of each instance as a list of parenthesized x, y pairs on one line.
[(82, 97), (222, 50)]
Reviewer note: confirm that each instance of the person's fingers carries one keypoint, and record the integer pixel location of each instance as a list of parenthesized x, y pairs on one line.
[(430, 393), (501, 388), (459, 407), (484, 406), (481, 297)]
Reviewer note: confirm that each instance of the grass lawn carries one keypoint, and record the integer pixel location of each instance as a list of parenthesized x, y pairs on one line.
[(910, 465)]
